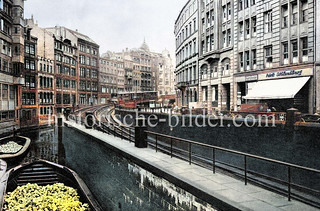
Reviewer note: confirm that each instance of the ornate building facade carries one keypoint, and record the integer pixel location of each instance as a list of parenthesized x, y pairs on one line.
[(11, 63), (249, 52), (187, 55)]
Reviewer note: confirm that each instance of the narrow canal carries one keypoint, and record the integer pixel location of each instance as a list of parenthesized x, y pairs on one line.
[(117, 183)]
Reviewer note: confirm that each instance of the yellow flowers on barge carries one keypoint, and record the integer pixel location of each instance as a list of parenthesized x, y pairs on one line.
[(47, 198)]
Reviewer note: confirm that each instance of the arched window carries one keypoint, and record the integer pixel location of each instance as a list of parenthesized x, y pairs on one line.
[(204, 70), (225, 67)]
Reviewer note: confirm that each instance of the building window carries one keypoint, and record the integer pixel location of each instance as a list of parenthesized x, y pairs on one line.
[(253, 2), (229, 37), (66, 84), (12, 93), (247, 25), (58, 99), (284, 10), (4, 92), (82, 72), (66, 99), (94, 74), (32, 65), (246, 3), (208, 19), (294, 7), (28, 98), (224, 35), (240, 4), (241, 30), (73, 72), (294, 45), (30, 81), (268, 56), (285, 52), (254, 58), (304, 42), (203, 25), (82, 85), (254, 26), (88, 75), (225, 69), (229, 11), (268, 21), (247, 57), (305, 49), (88, 86), (82, 59), (224, 11), (103, 89), (304, 11), (241, 61), (58, 83), (203, 47)]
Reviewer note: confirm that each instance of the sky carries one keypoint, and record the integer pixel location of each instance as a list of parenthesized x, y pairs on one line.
[(114, 24)]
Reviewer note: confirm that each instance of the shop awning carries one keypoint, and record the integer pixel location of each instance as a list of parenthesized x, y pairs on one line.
[(276, 89)]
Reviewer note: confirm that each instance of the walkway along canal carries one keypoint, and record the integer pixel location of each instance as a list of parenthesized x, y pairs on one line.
[(298, 147), (117, 183), (225, 192)]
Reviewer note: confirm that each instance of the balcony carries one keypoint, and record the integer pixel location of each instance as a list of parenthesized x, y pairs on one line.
[(181, 85)]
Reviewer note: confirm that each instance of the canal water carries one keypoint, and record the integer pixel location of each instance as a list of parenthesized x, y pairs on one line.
[(117, 183)]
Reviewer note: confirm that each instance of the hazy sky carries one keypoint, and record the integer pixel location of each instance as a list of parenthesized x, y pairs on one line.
[(113, 24)]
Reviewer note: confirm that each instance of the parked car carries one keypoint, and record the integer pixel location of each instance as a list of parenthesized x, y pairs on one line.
[(315, 118)]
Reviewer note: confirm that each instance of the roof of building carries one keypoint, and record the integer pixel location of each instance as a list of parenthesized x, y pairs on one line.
[(144, 46), (82, 36), (77, 35)]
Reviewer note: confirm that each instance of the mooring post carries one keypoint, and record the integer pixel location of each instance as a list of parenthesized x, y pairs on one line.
[(291, 118), (140, 134)]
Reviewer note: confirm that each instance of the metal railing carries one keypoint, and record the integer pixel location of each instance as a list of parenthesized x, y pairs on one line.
[(113, 127), (191, 157)]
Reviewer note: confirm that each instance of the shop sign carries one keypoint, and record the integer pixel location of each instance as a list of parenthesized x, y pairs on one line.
[(286, 74), (252, 78)]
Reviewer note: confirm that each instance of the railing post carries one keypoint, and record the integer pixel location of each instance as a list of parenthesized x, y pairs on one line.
[(171, 146), (214, 160), (140, 134), (156, 143), (289, 183), (245, 170), (190, 153)]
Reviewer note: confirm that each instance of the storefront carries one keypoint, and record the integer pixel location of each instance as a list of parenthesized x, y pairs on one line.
[(279, 89)]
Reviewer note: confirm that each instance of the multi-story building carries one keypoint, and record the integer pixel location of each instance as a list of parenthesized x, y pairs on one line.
[(66, 76), (30, 98), (252, 52), (275, 53), (141, 68), (136, 70), (165, 75), (317, 54), (144, 69), (111, 73), (11, 62), (216, 54), (76, 69), (128, 72), (89, 62), (45, 83), (187, 49)]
